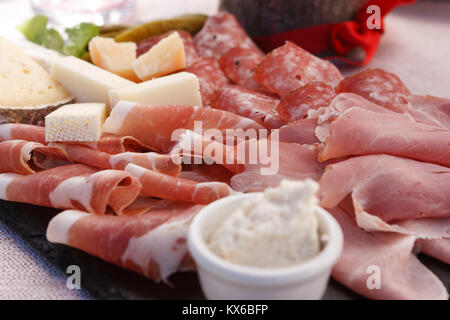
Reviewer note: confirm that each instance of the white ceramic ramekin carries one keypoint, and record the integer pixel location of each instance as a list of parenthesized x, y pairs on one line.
[(221, 279)]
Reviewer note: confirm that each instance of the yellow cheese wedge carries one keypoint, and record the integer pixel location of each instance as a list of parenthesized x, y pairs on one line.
[(87, 82), (180, 88), (75, 122), (114, 56), (164, 58), (27, 92)]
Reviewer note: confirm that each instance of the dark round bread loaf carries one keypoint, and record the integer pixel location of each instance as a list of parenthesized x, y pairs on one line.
[(263, 17)]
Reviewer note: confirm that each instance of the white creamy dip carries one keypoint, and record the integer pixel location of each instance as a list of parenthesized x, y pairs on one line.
[(276, 229)]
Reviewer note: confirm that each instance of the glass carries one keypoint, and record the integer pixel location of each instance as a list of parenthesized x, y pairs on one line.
[(72, 12)]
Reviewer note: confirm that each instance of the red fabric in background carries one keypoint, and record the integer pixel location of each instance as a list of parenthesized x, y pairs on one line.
[(340, 37)]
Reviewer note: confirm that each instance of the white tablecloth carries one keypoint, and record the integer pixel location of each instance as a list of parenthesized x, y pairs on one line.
[(415, 47)]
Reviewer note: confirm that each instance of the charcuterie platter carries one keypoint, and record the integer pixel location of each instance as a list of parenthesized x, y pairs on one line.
[(172, 165)]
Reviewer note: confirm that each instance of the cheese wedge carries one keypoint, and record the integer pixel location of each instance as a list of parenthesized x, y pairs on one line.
[(27, 92), (176, 89), (76, 122), (87, 82), (115, 57), (164, 58)]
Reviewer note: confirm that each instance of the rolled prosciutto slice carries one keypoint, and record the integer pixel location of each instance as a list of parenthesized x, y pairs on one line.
[(387, 255), (26, 157), (152, 244), (387, 190), (156, 125), (109, 143), (358, 131), (250, 104), (74, 186), (163, 186), (162, 163)]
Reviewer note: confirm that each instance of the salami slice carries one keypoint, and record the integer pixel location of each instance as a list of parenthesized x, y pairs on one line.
[(250, 104), (297, 103), (376, 85), (239, 65), (189, 48), (163, 186), (221, 33), (153, 244), (210, 76), (290, 67), (27, 157), (73, 186)]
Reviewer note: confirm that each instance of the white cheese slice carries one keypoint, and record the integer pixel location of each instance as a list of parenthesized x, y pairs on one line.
[(176, 89), (76, 122), (87, 82), (166, 57)]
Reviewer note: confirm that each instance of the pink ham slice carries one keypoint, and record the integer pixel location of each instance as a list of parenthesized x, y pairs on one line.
[(189, 48), (290, 67), (27, 157), (73, 186), (152, 244), (221, 33), (436, 248), (388, 191), (210, 76), (163, 186), (359, 131), (155, 125), (402, 275), (379, 86), (239, 65), (295, 162), (109, 143), (437, 108), (250, 104), (301, 131), (162, 163)]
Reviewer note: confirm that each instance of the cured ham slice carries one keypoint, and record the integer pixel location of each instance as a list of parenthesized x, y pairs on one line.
[(250, 104), (26, 157), (402, 275), (221, 33), (190, 52), (436, 248), (109, 143), (290, 67), (386, 189), (358, 131), (162, 163), (152, 244), (210, 76), (295, 162), (438, 108), (163, 186), (301, 131), (312, 96), (379, 86), (73, 186), (154, 125), (239, 65), (206, 173)]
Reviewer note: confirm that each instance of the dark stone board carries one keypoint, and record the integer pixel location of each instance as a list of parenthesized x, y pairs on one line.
[(102, 280)]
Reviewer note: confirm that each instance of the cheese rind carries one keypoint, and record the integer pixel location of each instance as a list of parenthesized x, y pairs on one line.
[(87, 82), (75, 122), (164, 58), (181, 88), (115, 57)]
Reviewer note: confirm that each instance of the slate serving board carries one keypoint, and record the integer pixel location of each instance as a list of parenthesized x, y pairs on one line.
[(102, 280)]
